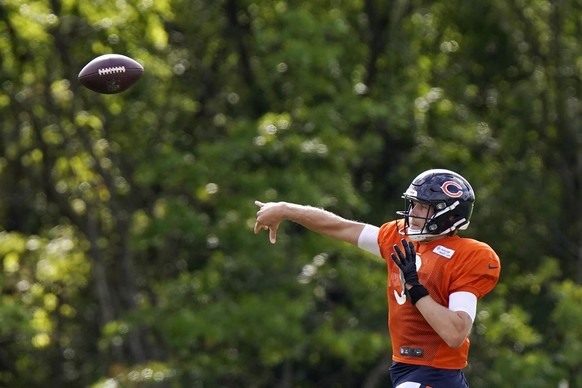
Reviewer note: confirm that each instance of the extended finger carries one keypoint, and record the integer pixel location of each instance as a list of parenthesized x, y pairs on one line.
[(399, 252), (273, 235), (259, 203), (411, 249), (406, 247), (395, 259)]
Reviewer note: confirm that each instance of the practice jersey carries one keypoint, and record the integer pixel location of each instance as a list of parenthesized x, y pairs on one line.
[(448, 265)]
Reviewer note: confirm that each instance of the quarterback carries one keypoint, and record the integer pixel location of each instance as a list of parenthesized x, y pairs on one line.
[(435, 277)]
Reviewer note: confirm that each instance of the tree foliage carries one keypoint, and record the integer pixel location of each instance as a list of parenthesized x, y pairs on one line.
[(128, 257)]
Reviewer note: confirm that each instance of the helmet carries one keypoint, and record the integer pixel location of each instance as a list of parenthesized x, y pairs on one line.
[(450, 196)]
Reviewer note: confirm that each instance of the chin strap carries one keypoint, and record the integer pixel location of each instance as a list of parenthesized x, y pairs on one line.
[(419, 235)]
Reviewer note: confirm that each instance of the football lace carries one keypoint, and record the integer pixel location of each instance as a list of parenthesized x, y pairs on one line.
[(111, 70)]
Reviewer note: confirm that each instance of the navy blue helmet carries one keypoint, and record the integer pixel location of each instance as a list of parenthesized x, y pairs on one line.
[(451, 197)]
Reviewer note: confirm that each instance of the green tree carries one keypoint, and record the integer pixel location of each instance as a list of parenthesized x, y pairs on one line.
[(127, 247)]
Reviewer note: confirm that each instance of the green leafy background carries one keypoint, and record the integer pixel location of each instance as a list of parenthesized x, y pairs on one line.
[(127, 251)]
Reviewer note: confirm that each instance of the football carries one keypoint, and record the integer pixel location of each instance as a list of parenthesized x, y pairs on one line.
[(110, 73)]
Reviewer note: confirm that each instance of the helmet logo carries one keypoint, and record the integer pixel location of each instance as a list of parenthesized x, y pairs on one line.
[(452, 189)]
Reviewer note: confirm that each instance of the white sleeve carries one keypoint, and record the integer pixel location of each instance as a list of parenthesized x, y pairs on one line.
[(463, 301), (368, 239)]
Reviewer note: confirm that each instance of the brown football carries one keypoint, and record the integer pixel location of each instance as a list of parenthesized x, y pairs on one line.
[(110, 73)]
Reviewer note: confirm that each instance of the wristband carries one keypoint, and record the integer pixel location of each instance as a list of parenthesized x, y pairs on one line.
[(416, 293)]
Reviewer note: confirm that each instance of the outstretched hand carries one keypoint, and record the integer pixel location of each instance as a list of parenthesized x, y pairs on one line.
[(267, 219)]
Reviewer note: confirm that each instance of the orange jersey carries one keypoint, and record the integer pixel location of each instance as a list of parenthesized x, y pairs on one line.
[(445, 266)]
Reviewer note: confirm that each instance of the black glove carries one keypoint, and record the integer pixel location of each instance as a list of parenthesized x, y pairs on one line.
[(407, 264)]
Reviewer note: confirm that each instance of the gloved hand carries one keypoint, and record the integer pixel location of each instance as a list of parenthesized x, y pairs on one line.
[(407, 263)]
